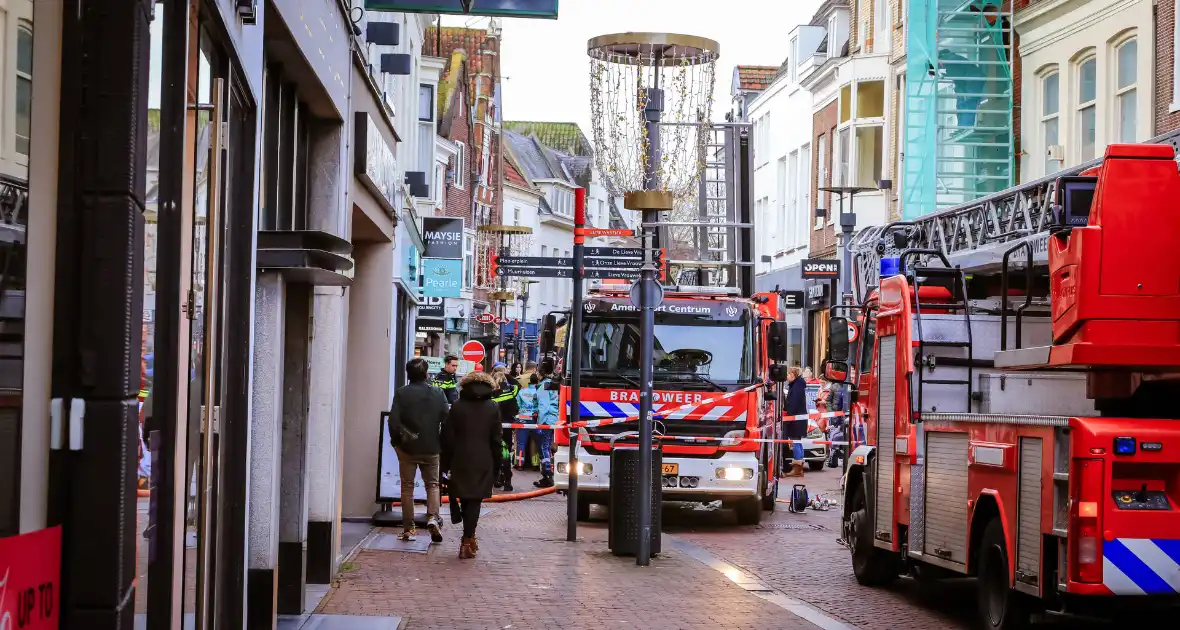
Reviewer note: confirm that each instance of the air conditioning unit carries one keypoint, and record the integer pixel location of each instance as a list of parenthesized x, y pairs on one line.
[(1056, 152)]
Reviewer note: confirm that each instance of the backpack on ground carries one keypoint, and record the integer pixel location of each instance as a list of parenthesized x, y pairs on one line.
[(798, 502)]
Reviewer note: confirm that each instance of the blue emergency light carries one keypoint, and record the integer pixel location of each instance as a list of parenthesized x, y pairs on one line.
[(890, 267), (1124, 446)]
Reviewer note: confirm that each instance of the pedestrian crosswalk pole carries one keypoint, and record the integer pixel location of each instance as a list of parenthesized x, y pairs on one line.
[(575, 363)]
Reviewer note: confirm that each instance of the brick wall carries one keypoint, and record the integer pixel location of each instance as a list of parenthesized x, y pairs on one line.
[(458, 200), (823, 241), (1016, 90), (1165, 21)]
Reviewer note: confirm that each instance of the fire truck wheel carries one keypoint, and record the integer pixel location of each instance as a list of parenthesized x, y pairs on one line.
[(771, 497), (749, 511), (815, 466), (871, 566), (1000, 607)]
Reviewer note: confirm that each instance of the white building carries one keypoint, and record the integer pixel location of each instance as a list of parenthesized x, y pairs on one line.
[(1087, 80)]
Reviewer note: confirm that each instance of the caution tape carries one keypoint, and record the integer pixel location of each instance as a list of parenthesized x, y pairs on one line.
[(662, 412), (696, 438), (815, 416), (518, 425)]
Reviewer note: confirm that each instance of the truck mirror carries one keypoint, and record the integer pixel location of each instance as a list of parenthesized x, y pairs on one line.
[(778, 373), (778, 341), (548, 337), (835, 371), (838, 340)]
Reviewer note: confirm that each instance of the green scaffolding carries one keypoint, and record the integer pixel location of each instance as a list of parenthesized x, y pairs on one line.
[(958, 134)]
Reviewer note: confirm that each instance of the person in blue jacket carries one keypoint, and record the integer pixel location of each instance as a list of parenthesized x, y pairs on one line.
[(547, 414), (526, 401)]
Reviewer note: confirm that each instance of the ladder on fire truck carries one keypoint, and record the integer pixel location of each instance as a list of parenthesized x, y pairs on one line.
[(709, 237), (973, 236)]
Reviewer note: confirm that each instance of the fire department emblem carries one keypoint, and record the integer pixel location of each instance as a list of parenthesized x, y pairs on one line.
[(731, 311), (588, 307)]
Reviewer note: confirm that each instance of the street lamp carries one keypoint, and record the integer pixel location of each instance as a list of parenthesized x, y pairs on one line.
[(847, 227), (521, 346)]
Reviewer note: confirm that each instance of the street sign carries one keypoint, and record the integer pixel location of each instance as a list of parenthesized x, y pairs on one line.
[(536, 272), (793, 299), (618, 263), (533, 261), (609, 232), (655, 295), (853, 332), (821, 268), (485, 318), (619, 252), (473, 351)]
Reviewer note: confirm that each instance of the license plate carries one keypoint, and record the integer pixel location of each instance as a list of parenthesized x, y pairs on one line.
[(670, 469)]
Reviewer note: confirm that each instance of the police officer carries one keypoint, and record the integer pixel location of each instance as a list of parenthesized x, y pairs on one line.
[(505, 398), (447, 381)]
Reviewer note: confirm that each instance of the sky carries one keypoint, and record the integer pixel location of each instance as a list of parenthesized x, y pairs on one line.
[(545, 67)]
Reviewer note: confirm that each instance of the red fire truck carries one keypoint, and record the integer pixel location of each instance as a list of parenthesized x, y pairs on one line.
[(1020, 407), (711, 389)]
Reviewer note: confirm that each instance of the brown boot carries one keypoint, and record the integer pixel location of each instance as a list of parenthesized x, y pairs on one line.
[(475, 544), (465, 549), (796, 470)]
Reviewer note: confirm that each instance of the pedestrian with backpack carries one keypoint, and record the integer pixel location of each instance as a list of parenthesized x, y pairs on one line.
[(547, 414)]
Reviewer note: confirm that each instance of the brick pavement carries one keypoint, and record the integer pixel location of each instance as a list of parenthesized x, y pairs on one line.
[(527, 576), (806, 563)]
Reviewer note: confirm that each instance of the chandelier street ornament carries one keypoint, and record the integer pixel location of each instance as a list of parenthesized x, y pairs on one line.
[(640, 78)]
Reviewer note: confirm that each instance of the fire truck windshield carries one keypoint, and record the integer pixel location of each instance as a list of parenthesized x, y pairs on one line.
[(690, 352)]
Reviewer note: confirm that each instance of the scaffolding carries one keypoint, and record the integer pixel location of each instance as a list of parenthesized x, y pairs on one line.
[(959, 140)]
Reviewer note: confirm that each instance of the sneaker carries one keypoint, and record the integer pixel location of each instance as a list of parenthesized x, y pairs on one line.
[(507, 487), (434, 526), (407, 534)]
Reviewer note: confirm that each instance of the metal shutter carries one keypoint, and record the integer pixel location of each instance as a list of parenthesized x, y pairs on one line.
[(1028, 545), (946, 495), (886, 405)]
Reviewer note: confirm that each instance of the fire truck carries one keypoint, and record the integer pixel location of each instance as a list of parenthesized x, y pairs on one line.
[(1016, 377), (714, 336)]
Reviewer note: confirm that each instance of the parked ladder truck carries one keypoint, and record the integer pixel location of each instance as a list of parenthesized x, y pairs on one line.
[(1017, 375), (712, 384)]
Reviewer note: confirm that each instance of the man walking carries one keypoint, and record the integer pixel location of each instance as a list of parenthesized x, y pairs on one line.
[(447, 380), (415, 423), (547, 414)]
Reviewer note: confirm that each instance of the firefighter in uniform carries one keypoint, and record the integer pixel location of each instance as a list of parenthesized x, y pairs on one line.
[(505, 398)]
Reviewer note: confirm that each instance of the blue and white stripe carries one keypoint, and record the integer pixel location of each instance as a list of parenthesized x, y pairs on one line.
[(610, 409), (1141, 566)]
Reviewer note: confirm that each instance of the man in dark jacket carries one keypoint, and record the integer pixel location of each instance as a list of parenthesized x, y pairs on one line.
[(447, 381), (472, 451), (415, 424)]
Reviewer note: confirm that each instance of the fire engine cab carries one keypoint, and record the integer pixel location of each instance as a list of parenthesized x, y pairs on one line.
[(1020, 408)]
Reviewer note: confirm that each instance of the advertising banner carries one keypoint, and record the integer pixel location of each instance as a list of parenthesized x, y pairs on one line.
[(30, 575), (443, 237), (389, 479), (442, 277)]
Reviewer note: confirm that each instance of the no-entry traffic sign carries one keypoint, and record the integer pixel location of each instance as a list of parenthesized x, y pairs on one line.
[(473, 351)]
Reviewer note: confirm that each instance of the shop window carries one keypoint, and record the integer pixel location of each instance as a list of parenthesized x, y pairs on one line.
[(1126, 98), (1051, 118), (1087, 108)]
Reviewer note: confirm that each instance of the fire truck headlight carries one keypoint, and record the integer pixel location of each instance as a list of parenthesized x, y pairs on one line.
[(734, 473), (583, 468)]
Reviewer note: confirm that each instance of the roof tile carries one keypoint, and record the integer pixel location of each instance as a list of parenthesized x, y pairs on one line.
[(756, 77)]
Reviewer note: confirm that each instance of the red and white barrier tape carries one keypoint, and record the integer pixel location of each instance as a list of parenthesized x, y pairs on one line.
[(693, 438), (815, 416), (663, 412)]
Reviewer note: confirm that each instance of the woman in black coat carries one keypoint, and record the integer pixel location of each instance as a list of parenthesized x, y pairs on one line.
[(471, 451), (796, 429)]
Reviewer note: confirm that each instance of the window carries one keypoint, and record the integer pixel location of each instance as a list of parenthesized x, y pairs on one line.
[(881, 42), (1087, 108), (468, 260), (870, 150), (460, 165), (426, 102), (24, 87), (840, 176), (516, 215), (793, 62), (1051, 118), (804, 183), (863, 17), (601, 221), (1126, 98), (791, 204), (834, 46), (821, 171)]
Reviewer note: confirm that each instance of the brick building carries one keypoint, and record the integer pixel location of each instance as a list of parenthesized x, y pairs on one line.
[(1167, 83)]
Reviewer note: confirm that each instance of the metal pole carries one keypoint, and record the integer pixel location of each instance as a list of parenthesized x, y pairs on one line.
[(522, 347), (847, 227), (501, 326), (647, 276), (575, 359)]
